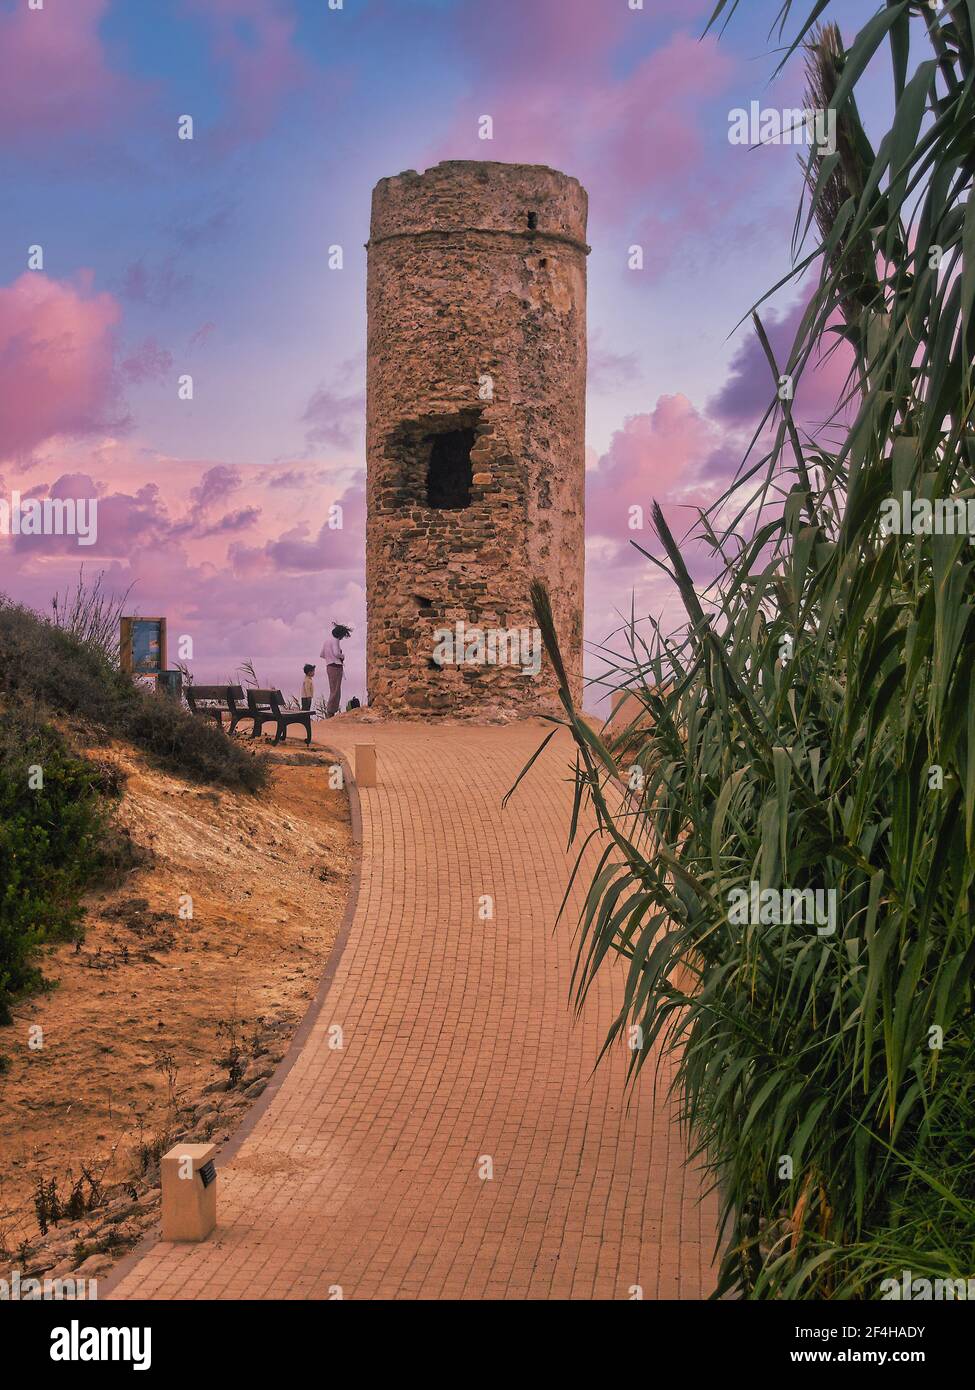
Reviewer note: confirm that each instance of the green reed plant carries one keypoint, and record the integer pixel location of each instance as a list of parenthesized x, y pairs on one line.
[(812, 726)]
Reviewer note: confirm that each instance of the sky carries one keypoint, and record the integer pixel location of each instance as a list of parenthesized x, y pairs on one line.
[(164, 258)]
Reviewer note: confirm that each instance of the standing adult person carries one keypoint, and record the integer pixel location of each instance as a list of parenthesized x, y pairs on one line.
[(334, 658)]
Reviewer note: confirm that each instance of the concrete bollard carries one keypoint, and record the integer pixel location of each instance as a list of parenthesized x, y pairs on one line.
[(365, 764), (189, 1192)]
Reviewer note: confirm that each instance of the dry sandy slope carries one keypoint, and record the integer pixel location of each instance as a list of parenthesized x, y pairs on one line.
[(143, 1010)]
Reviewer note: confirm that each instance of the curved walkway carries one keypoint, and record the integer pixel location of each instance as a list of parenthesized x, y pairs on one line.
[(456, 1145)]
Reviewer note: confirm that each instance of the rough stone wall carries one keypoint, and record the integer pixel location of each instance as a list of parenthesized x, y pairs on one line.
[(475, 270)]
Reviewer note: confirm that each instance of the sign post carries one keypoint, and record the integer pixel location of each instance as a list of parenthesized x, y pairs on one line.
[(170, 683), (142, 646)]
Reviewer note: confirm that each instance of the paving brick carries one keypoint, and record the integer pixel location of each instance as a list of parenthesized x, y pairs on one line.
[(459, 1042)]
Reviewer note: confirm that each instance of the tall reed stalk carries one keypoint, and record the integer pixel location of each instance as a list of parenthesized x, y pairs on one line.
[(91, 613)]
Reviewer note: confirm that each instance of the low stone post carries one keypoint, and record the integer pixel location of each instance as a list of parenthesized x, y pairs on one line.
[(189, 1192), (365, 764)]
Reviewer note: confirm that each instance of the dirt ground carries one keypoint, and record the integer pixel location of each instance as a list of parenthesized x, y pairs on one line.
[(167, 1019)]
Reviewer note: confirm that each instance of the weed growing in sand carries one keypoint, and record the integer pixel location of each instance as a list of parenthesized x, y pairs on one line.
[(82, 1195), (234, 1058)]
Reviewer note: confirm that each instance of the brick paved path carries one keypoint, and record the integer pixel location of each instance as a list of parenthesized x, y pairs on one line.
[(363, 1170)]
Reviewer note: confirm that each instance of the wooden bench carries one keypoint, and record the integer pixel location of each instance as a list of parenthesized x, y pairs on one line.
[(267, 705), (214, 701)]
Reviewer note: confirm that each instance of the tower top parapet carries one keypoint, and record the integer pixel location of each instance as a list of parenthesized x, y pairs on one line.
[(470, 195)]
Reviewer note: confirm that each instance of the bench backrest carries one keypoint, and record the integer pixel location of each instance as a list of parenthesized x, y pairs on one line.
[(265, 700), (205, 692), (235, 698)]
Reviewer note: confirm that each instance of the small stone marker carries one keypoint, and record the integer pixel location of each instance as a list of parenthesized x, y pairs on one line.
[(365, 764), (189, 1192)]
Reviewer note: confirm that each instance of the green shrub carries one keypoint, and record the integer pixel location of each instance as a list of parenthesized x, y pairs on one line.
[(41, 664), (193, 747), (52, 825)]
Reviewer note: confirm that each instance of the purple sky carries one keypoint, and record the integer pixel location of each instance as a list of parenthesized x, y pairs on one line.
[(165, 257)]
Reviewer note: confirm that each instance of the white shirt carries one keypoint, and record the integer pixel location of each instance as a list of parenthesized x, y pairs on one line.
[(332, 652)]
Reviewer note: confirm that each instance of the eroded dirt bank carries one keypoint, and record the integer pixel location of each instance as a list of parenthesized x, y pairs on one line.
[(168, 1018)]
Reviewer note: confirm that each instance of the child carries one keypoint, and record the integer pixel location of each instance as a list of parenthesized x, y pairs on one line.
[(308, 688)]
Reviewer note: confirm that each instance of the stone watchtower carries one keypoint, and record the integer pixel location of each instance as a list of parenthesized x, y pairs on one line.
[(475, 434)]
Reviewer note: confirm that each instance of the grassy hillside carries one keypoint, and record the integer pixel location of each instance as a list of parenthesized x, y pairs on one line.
[(43, 666), (57, 831)]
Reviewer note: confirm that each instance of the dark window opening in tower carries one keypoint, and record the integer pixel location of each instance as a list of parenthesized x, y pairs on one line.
[(449, 472), (533, 221)]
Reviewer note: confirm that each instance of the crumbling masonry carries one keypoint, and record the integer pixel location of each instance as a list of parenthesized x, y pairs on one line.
[(475, 430)]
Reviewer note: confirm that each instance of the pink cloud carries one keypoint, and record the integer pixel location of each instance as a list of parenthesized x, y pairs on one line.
[(334, 418), (292, 477), (509, 35), (124, 520), (627, 138), (216, 484), (54, 75), (252, 42), (655, 456), (749, 389), (148, 362), (572, 37), (159, 285), (675, 455), (300, 551), (130, 520), (684, 458), (232, 522), (177, 544), (56, 360), (682, 9), (608, 369), (649, 122)]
